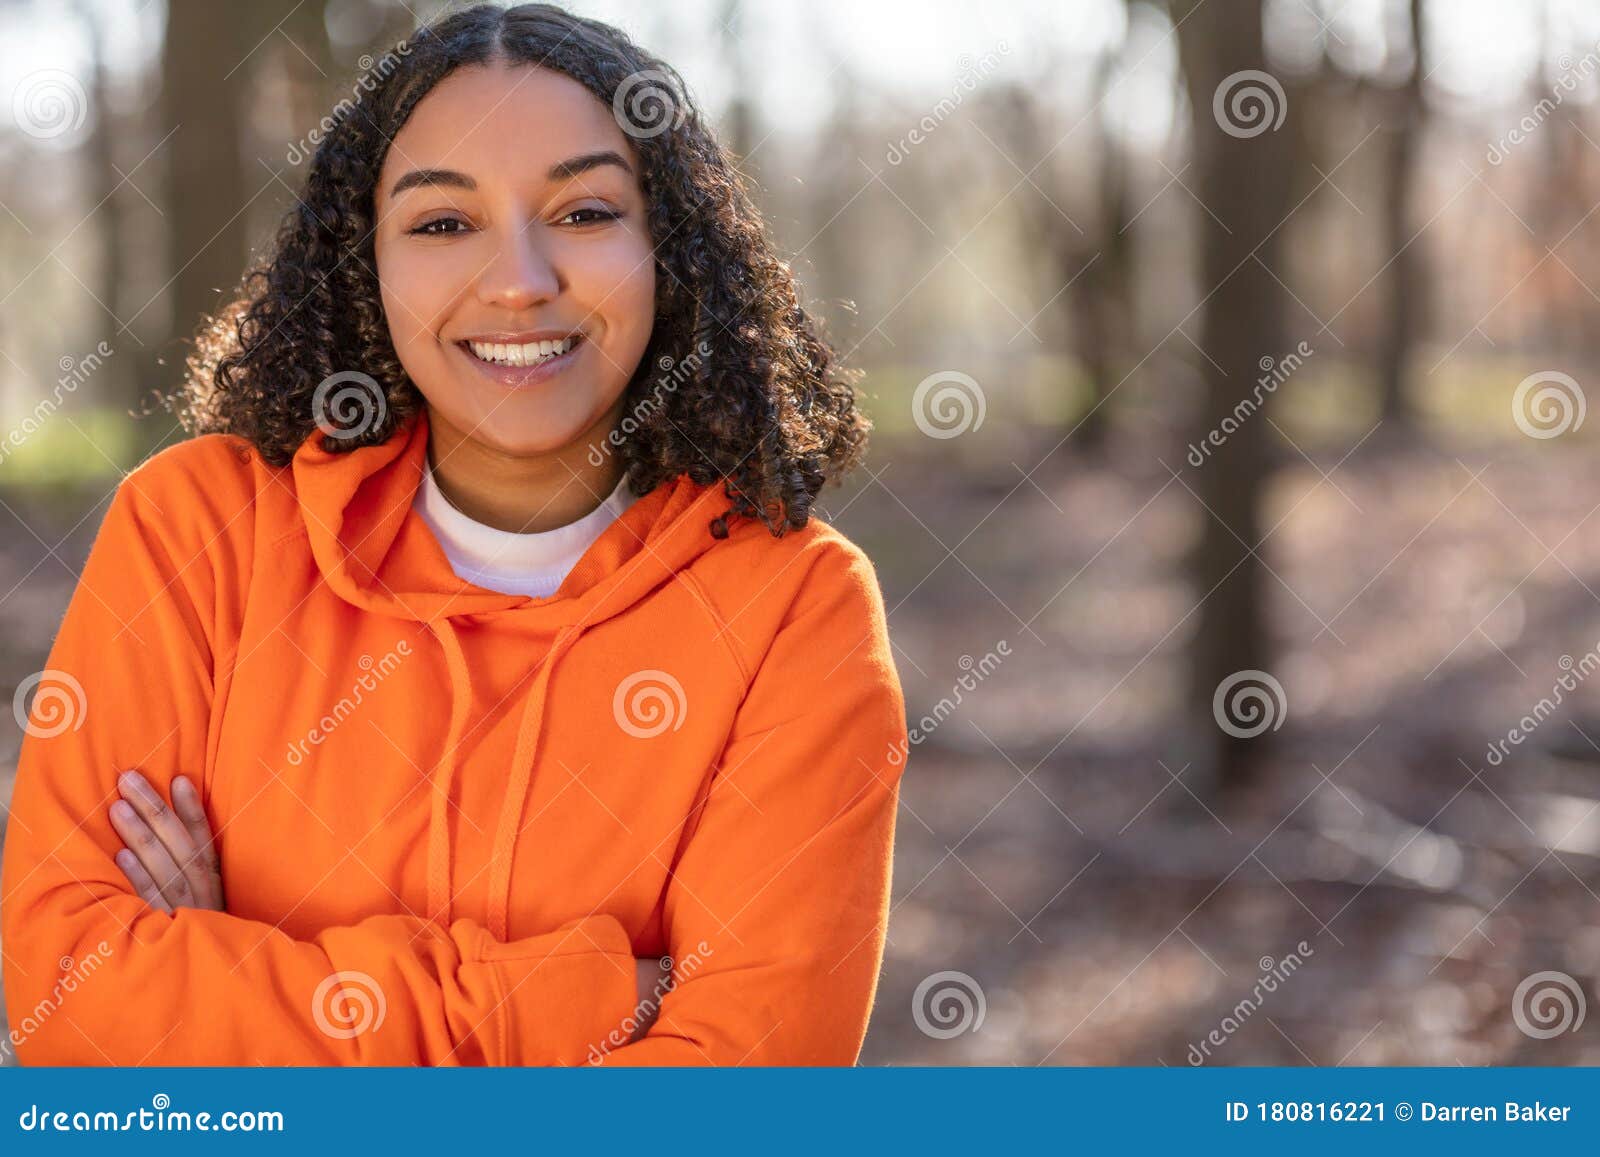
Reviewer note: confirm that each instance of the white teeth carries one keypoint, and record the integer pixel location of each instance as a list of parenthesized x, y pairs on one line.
[(529, 354)]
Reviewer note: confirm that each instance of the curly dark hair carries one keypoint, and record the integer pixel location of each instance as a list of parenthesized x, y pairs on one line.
[(766, 410)]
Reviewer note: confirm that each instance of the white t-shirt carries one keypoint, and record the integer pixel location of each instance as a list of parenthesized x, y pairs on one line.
[(520, 564)]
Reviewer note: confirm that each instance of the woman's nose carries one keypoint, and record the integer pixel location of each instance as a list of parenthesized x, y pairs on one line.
[(519, 274)]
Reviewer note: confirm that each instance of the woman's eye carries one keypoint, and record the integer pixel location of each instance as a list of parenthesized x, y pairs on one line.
[(436, 228), (598, 215)]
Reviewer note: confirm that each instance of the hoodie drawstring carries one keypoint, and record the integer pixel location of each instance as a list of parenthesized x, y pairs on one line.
[(513, 803), (444, 779)]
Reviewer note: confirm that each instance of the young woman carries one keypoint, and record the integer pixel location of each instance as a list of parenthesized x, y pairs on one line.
[(483, 648)]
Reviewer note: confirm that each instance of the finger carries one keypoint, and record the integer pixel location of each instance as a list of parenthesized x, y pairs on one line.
[(186, 802), (169, 829), (141, 881), (152, 854)]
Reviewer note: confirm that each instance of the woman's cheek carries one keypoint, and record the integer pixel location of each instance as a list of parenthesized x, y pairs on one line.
[(415, 302), (631, 290)]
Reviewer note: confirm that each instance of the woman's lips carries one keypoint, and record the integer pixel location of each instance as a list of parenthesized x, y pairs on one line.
[(517, 377)]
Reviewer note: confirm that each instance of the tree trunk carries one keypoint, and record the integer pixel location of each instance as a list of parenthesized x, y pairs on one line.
[(1402, 318), (1243, 179)]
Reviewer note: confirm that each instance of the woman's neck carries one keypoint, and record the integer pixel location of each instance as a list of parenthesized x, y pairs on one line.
[(523, 494)]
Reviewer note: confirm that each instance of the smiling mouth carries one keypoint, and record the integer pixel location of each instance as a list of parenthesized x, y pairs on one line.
[(522, 355)]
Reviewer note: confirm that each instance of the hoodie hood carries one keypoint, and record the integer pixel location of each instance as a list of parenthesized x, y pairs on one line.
[(375, 552)]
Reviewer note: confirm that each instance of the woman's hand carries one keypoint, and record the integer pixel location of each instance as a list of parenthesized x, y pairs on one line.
[(170, 857)]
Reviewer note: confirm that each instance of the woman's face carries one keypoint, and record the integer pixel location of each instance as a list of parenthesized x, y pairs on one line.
[(486, 237)]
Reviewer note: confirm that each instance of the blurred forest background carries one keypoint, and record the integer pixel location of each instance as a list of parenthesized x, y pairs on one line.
[(1230, 489)]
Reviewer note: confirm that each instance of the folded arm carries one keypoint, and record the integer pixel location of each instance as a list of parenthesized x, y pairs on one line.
[(777, 906), (95, 975)]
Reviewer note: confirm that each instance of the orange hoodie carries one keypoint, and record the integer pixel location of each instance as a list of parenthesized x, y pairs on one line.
[(449, 818)]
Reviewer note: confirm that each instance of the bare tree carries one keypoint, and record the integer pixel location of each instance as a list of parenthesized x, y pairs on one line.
[(1244, 184), (1403, 314)]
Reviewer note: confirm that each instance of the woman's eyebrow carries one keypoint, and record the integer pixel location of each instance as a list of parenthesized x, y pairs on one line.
[(583, 162), (560, 171), (439, 177)]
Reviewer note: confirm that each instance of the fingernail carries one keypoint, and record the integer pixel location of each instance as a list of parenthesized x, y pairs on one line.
[(123, 810), (182, 782), (124, 859)]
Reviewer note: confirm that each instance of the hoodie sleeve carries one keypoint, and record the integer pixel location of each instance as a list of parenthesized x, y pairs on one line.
[(93, 975), (777, 909)]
